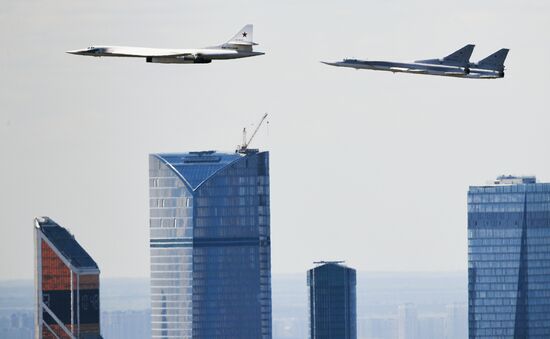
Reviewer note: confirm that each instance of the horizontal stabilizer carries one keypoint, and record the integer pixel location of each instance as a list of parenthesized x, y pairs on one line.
[(495, 61)]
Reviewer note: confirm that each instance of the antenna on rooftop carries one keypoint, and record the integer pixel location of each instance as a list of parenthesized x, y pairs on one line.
[(243, 149)]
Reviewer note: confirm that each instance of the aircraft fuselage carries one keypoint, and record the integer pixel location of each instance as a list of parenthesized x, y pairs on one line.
[(240, 46), (419, 68), (164, 55)]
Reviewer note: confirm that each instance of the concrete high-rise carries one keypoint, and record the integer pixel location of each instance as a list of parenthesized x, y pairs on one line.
[(407, 321), (456, 321), (509, 259), (67, 285), (332, 301), (210, 245)]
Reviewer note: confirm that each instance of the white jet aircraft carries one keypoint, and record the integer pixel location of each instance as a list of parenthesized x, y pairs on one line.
[(240, 46)]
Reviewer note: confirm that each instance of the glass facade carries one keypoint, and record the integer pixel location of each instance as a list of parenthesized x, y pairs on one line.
[(509, 259), (332, 302), (67, 285), (210, 245)]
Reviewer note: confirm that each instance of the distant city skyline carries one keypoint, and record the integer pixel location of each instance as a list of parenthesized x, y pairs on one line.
[(407, 321), (125, 304)]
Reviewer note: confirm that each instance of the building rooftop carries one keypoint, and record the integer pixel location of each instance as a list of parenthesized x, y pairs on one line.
[(337, 263), (334, 262), (65, 243), (514, 180), (196, 167)]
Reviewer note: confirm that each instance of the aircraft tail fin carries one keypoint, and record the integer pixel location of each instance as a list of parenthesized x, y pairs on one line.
[(243, 39), (494, 61), (460, 58)]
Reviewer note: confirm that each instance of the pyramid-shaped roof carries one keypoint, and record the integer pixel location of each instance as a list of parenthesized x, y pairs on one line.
[(65, 243), (197, 167)]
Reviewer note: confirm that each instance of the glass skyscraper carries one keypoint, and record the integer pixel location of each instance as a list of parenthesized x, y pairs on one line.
[(67, 285), (210, 245), (509, 259), (332, 301)]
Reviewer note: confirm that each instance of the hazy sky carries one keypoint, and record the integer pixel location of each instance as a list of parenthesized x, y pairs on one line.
[(369, 167)]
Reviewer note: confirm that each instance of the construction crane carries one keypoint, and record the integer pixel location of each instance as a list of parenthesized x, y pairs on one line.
[(243, 149)]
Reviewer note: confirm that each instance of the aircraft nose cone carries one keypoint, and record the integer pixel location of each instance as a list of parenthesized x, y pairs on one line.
[(75, 51), (329, 63)]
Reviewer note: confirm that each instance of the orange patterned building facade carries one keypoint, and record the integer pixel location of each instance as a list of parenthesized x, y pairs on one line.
[(67, 285)]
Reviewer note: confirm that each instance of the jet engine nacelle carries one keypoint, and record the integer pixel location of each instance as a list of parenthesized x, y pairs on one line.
[(187, 59), (202, 61)]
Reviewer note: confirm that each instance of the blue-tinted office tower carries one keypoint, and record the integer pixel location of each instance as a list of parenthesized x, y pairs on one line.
[(332, 301), (509, 259), (210, 245)]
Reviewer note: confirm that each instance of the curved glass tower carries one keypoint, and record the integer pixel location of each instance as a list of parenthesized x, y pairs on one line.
[(509, 259), (210, 245)]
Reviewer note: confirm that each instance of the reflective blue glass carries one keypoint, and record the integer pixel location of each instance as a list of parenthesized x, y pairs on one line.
[(332, 302), (210, 245), (196, 167), (509, 260)]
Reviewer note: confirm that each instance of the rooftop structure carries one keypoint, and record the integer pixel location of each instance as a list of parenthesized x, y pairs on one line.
[(514, 180)]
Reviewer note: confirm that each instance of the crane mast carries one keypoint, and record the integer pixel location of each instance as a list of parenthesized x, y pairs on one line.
[(243, 149)]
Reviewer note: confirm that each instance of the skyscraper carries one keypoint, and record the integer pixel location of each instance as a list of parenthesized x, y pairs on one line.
[(67, 285), (332, 301), (509, 259), (407, 326), (210, 245), (456, 321), (430, 326)]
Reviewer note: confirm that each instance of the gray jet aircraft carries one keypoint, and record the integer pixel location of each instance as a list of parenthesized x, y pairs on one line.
[(456, 65)]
